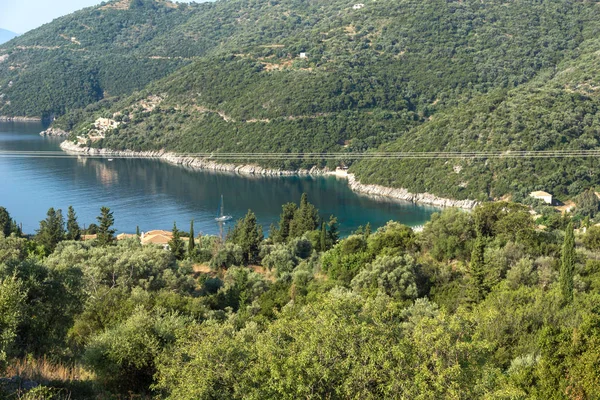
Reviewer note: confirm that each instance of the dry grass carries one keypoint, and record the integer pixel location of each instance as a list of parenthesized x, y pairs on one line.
[(203, 269), (278, 67), (568, 206), (121, 5), (269, 275), (44, 370)]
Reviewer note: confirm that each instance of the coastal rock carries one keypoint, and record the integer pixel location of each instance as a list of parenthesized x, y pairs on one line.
[(403, 194), (19, 119), (54, 132), (255, 170), (191, 162)]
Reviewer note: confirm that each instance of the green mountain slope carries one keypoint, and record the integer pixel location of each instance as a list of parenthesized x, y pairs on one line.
[(556, 111), (300, 75), (102, 51)]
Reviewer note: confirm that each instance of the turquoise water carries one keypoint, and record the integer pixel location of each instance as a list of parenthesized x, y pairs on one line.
[(153, 194)]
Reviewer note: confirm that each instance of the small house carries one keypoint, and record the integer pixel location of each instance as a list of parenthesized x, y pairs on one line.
[(358, 6), (546, 197), (302, 55)]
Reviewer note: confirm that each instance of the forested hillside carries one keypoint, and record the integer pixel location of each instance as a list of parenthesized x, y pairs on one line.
[(325, 76), (557, 110), (108, 50)]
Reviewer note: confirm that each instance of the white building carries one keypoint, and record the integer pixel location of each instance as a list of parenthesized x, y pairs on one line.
[(546, 197), (302, 55), (358, 6)]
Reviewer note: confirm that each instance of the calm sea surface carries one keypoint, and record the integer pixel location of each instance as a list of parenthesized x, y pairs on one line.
[(153, 194)]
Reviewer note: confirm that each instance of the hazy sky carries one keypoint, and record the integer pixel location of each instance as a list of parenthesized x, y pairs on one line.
[(21, 16)]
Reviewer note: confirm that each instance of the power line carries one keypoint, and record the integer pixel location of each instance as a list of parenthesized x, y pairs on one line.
[(318, 155)]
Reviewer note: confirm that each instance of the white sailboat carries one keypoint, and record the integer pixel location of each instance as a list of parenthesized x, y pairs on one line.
[(221, 217)]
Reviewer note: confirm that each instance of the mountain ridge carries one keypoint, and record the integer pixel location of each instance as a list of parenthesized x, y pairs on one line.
[(6, 35)]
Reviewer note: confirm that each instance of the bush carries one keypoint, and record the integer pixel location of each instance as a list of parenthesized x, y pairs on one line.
[(449, 235), (591, 240), (393, 275), (124, 357), (229, 255)]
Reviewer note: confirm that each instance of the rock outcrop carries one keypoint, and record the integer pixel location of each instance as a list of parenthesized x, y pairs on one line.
[(403, 194), (190, 162), (254, 170), (54, 132), (19, 119)]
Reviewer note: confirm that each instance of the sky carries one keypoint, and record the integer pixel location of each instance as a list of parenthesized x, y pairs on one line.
[(21, 16)]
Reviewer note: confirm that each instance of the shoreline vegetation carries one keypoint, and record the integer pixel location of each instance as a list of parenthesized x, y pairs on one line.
[(252, 170)]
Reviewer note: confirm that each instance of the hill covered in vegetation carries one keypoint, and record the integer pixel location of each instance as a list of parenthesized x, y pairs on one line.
[(103, 51), (325, 76)]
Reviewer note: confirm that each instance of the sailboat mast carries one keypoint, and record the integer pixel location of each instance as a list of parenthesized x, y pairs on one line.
[(222, 207)]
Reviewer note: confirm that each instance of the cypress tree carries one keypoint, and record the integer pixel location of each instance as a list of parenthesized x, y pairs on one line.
[(323, 241), (333, 234), (73, 230), (52, 230), (306, 218), (191, 243), (106, 235), (137, 231), (15, 228), (281, 234), (367, 230), (248, 234), (176, 244), (477, 268), (567, 265), (5, 221)]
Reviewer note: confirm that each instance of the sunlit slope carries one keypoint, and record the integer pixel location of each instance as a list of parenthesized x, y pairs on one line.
[(556, 111)]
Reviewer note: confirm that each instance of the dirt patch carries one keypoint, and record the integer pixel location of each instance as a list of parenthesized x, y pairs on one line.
[(221, 114), (202, 269), (150, 103), (120, 5), (277, 67), (37, 47), (264, 272), (567, 207)]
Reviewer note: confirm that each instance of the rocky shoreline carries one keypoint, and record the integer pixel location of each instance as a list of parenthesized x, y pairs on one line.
[(253, 170), (54, 132), (403, 194), (4, 118)]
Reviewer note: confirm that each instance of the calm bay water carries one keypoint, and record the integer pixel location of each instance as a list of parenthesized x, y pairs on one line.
[(153, 194)]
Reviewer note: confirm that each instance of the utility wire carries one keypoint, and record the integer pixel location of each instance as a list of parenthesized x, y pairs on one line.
[(319, 156)]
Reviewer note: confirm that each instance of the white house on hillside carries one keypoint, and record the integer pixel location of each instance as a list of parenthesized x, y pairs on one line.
[(546, 197), (358, 6)]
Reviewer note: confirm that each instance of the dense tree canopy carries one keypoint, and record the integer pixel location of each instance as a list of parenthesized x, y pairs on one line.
[(499, 307)]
